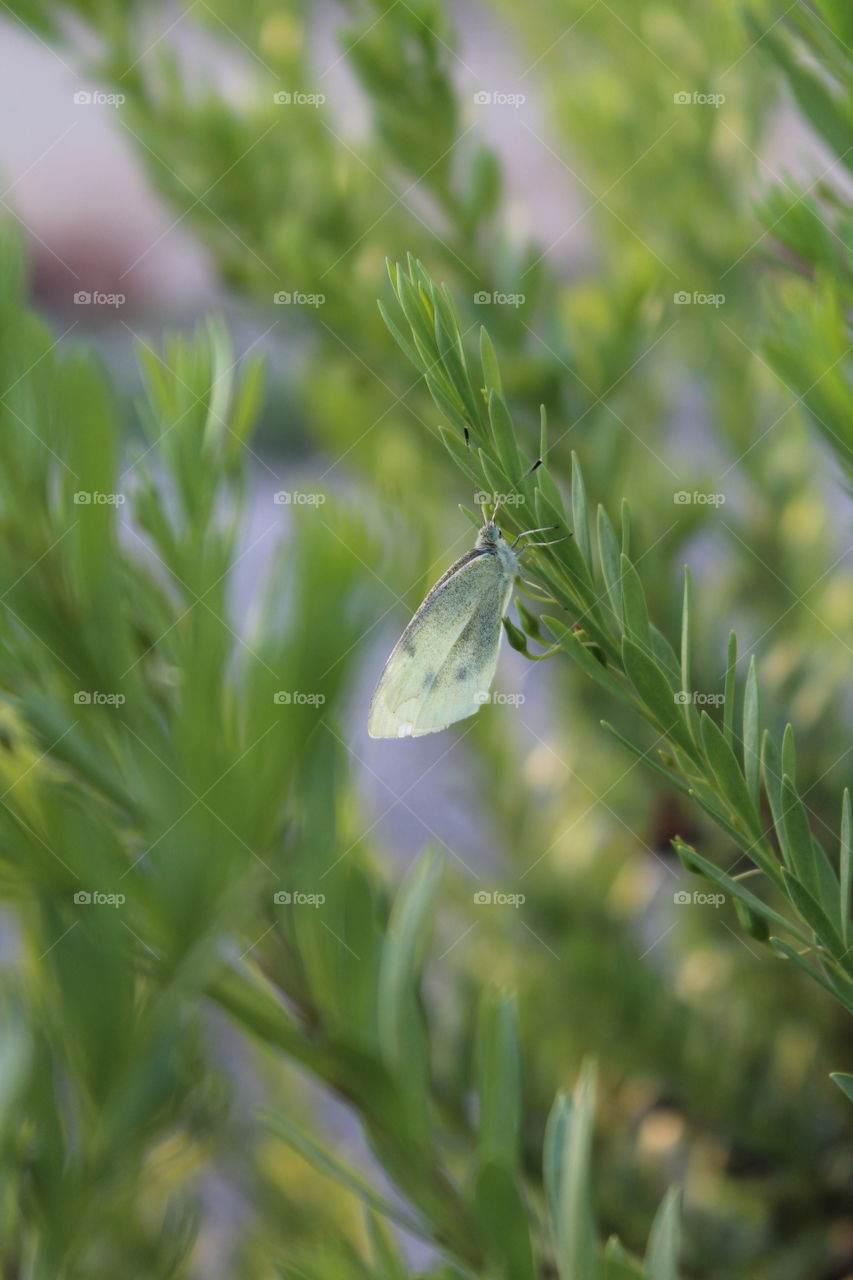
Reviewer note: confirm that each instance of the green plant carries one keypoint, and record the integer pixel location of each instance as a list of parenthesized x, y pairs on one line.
[(809, 342), (133, 1065), (163, 799), (725, 768)]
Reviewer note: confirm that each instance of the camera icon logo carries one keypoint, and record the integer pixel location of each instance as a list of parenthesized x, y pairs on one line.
[(282, 298), (82, 298), (82, 698), (282, 898), (282, 98), (482, 99), (681, 898), (482, 898), (682, 298), (82, 897), (482, 298), (282, 698), (83, 98), (682, 697), (682, 498), (682, 99)]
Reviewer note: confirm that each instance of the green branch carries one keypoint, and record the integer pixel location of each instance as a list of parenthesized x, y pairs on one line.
[(727, 768)]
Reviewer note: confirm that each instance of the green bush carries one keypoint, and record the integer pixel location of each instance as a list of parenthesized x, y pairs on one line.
[(239, 1038)]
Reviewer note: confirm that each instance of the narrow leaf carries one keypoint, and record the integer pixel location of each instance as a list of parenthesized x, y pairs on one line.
[(499, 1081), (846, 863), (661, 1261), (580, 514), (729, 690), (751, 737)]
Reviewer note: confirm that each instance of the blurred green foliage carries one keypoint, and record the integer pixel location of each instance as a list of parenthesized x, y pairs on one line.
[(141, 1037)]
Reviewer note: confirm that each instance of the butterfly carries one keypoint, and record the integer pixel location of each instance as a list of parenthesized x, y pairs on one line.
[(442, 667)]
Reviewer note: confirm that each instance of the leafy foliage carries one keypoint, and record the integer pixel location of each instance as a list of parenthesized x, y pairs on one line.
[(204, 1076)]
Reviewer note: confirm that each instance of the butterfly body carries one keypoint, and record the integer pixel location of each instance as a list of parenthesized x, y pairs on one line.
[(442, 667)]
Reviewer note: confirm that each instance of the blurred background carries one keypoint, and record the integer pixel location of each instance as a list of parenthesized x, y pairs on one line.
[(638, 201)]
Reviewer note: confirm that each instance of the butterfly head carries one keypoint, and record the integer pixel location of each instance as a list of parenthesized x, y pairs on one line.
[(489, 537)]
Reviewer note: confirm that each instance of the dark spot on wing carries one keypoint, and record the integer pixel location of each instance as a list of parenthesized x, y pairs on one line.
[(409, 648), (428, 679), (462, 674)]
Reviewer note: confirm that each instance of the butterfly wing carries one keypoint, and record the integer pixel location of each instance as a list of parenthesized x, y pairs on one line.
[(442, 667)]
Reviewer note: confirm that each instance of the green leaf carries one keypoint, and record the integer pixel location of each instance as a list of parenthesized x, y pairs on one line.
[(580, 514), (751, 737), (489, 362), (397, 334), (654, 690), (329, 1164), (546, 489), (751, 922), (674, 779), (664, 655), (517, 639), (844, 1082), (617, 1264), (499, 1081), (504, 1220), (737, 891), (729, 690), (686, 630), (385, 1255), (661, 1262), (459, 451), (572, 642), (789, 758), (771, 769), (846, 864), (625, 516), (635, 612), (727, 772), (803, 853), (813, 913), (503, 434), (790, 954), (569, 1140), (608, 552), (401, 1033)]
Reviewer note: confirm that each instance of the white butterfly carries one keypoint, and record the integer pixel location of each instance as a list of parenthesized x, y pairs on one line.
[(442, 667)]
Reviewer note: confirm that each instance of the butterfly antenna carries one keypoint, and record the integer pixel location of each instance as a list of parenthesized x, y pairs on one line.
[(547, 528), (552, 543)]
